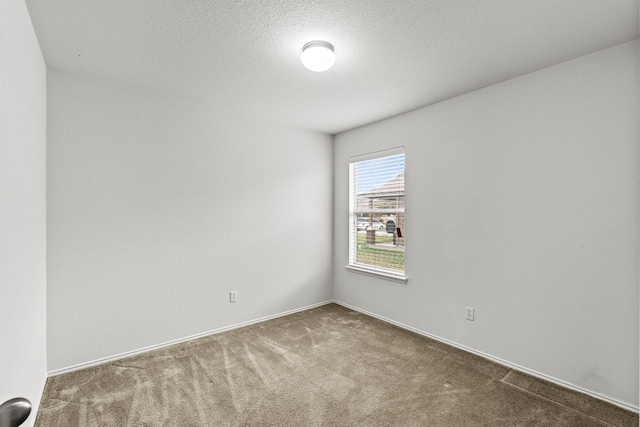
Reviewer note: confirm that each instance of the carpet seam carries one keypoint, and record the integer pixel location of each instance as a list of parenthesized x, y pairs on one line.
[(505, 376), (561, 404), (509, 365)]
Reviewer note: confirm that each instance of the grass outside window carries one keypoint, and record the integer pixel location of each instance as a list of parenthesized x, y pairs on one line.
[(392, 258)]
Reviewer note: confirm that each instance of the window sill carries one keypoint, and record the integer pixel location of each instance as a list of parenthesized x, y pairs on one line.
[(376, 273)]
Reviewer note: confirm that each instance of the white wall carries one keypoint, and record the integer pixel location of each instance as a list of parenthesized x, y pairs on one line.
[(158, 207), (522, 202), (22, 208)]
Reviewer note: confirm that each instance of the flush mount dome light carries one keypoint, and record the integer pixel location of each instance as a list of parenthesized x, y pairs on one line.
[(318, 56)]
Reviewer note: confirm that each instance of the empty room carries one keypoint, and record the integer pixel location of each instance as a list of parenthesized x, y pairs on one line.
[(319, 213)]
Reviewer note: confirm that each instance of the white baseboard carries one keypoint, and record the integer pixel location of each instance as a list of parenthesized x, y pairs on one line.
[(178, 341), (506, 363)]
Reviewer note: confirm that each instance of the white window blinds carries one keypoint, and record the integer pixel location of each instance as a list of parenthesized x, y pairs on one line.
[(377, 212)]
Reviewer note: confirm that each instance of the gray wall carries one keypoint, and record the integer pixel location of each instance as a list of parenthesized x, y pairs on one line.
[(22, 208), (158, 207), (522, 202)]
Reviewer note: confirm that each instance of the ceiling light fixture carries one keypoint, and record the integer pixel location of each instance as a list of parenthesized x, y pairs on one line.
[(318, 56)]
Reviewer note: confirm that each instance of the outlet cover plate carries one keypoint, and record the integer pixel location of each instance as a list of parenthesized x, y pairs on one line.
[(468, 313)]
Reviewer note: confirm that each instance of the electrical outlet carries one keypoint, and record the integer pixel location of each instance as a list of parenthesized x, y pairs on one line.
[(468, 313), (233, 296)]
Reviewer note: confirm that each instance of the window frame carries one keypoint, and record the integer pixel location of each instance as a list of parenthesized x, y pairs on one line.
[(354, 211)]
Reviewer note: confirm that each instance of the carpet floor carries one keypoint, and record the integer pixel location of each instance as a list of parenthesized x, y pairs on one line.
[(328, 366)]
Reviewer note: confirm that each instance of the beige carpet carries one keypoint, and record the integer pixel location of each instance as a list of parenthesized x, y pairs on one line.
[(328, 366)]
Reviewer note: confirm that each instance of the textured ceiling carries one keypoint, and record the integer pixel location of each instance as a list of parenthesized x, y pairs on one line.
[(392, 56)]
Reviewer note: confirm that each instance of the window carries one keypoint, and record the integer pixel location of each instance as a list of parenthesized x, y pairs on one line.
[(376, 214)]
